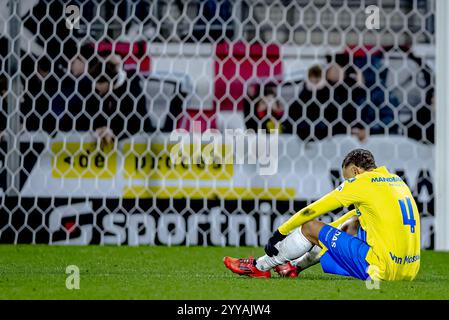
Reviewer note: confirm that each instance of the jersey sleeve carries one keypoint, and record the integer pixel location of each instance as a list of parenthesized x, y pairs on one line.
[(349, 192), (322, 206), (343, 196)]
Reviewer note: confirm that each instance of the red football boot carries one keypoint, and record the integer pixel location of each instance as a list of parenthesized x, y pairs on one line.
[(245, 267), (287, 270)]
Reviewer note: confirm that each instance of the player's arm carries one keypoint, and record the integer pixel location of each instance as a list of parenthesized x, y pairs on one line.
[(322, 206), (346, 194), (340, 221)]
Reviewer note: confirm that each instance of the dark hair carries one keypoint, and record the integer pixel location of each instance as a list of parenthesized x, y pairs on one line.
[(360, 158), (44, 64), (315, 71), (103, 71)]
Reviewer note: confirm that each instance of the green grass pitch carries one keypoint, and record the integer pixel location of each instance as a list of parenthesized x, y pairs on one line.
[(109, 272)]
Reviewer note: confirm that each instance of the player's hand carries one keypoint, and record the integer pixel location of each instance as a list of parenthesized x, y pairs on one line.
[(105, 136), (270, 248)]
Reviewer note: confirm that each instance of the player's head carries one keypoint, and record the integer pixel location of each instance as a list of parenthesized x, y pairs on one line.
[(356, 162)]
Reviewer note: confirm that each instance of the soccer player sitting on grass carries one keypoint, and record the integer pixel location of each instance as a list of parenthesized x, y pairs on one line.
[(378, 240)]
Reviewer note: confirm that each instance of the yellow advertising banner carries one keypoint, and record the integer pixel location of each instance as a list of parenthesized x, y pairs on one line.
[(74, 160), (159, 162)]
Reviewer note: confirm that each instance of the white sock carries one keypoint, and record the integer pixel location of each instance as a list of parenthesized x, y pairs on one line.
[(308, 259), (293, 246)]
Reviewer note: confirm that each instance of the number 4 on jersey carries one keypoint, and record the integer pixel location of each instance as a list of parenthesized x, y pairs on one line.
[(405, 214)]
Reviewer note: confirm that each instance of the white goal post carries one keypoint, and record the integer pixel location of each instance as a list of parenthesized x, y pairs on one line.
[(442, 129)]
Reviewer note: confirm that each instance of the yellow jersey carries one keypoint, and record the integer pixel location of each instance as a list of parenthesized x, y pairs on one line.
[(388, 214)]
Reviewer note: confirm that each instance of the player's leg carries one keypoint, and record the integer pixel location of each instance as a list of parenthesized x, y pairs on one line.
[(347, 258), (295, 245), (349, 225), (346, 254), (292, 247), (306, 259)]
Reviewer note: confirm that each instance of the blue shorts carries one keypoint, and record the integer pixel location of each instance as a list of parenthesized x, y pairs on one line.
[(345, 254)]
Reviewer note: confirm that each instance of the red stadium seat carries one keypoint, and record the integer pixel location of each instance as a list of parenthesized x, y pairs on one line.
[(134, 55), (237, 63), (205, 118)]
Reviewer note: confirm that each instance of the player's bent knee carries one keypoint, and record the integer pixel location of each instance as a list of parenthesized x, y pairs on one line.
[(306, 229), (311, 230), (350, 226)]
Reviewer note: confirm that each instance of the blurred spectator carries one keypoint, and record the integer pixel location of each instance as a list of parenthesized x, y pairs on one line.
[(265, 113), (39, 90), (346, 85), (305, 116), (76, 86), (359, 131), (345, 79), (115, 110)]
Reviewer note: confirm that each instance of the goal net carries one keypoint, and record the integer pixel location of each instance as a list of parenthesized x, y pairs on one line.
[(204, 122)]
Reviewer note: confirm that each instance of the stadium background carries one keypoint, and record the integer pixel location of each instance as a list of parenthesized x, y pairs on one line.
[(312, 69)]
